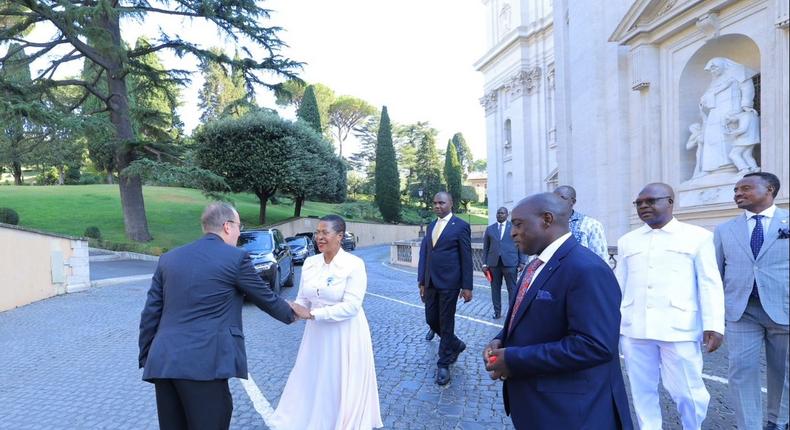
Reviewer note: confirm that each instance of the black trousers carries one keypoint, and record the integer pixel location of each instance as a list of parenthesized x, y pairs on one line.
[(497, 273), (440, 316), (193, 405)]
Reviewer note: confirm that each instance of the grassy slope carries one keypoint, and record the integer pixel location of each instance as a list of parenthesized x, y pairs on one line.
[(173, 213)]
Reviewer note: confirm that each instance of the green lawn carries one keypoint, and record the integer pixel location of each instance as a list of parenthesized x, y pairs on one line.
[(173, 213)]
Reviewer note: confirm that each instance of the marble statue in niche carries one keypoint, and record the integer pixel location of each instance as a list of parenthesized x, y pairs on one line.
[(730, 126)]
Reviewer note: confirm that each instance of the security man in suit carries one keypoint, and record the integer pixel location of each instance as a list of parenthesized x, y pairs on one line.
[(444, 273), (191, 338), (501, 258), (753, 256)]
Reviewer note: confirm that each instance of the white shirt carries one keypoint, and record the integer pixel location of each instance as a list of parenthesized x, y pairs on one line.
[(333, 291), (439, 227), (549, 251), (672, 290), (502, 226), (768, 213)]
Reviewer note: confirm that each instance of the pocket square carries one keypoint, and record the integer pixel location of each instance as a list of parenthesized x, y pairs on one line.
[(544, 295)]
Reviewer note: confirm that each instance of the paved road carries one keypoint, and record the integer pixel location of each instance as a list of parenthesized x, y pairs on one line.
[(70, 362)]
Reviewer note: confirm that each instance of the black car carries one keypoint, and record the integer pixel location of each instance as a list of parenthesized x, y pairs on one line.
[(301, 248), (310, 235), (270, 255), (349, 242)]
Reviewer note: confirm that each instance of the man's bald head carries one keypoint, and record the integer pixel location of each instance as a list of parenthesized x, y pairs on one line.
[(539, 220), (567, 193), (442, 204), (654, 204)]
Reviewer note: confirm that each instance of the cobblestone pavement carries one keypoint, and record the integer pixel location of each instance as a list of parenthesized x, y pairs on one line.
[(70, 362)]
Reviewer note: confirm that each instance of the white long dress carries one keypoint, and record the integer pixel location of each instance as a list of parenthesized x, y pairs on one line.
[(333, 382)]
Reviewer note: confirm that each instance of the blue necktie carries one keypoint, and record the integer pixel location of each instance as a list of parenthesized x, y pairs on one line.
[(758, 236)]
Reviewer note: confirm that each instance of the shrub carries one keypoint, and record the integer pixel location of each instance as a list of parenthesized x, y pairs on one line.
[(90, 179), (9, 216), (47, 177), (93, 232)]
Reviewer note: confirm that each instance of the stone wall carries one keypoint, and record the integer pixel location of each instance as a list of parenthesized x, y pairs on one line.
[(36, 265)]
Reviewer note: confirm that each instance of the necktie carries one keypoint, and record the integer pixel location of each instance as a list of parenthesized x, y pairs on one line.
[(437, 230), (756, 242), (522, 291), (757, 235), (501, 231)]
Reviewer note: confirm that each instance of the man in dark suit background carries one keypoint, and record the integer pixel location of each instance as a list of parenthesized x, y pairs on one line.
[(191, 338), (502, 258), (558, 351), (444, 273)]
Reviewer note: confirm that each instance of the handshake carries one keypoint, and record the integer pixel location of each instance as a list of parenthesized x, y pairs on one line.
[(301, 312)]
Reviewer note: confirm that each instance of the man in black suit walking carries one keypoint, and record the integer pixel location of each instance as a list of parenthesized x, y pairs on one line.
[(445, 273), (501, 258), (191, 338)]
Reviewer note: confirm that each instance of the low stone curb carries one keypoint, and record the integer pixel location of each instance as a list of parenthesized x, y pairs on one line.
[(107, 255), (120, 280)]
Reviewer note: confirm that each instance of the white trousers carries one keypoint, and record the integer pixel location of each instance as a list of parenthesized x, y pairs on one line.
[(679, 365)]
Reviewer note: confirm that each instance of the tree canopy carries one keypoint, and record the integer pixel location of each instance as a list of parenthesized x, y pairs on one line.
[(85, 30), (452, 174)]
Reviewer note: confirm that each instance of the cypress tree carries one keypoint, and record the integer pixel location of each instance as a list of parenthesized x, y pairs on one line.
[(428, 166), (452, 174), (308, 110), (387, 179)]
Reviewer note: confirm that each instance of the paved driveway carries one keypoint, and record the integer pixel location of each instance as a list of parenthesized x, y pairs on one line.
[(70, 362)]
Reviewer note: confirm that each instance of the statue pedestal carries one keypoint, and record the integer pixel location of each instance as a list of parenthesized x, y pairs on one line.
[(710, 189)]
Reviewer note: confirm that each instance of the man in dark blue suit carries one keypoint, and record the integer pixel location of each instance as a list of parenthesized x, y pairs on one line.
[(191, 338), (501, 258), (558, 351), (445, 273)]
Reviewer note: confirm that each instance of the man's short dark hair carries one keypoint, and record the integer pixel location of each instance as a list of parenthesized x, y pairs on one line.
[(769, 178), (336, 221)]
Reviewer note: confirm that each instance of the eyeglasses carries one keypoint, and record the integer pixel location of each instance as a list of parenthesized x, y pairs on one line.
[(649, 202), (241, 226)]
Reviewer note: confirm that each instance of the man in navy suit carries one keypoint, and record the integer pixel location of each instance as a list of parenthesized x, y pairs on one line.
[(445, 273), (501, 258), (558, 351), (191, 338)]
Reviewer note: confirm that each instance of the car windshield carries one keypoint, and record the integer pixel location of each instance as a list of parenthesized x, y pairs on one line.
[(256, 242), (297, 241)]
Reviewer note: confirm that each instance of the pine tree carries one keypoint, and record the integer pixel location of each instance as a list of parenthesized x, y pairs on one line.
[(387, 180), (452, 174), (308, 110), (13, 137)]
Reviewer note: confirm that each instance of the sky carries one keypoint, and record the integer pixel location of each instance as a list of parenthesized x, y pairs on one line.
[(414, 56)]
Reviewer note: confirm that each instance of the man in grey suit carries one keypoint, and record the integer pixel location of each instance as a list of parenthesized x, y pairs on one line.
[(754, 261), (502, 258), (191, 338)]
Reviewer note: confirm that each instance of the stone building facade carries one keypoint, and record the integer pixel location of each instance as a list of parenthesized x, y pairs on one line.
[(604, 96)]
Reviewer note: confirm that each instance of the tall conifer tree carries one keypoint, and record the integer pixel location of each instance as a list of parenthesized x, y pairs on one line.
[(387, 180), (452, 173), (308, 110)]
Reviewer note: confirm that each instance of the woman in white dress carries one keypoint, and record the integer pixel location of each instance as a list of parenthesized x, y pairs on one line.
[(333, 382)]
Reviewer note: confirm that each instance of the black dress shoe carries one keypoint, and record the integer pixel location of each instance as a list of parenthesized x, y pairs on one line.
[(458, 352), (430, 334), (773, 426), (497, 315), (442, 376)]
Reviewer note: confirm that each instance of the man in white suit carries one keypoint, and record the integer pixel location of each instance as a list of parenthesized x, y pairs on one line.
[(753, 257), (672, 301)]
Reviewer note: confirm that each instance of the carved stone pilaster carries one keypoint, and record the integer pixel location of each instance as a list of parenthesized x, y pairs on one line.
[(550, 78), (523, 81), (644, 64), (782, 14), (489, 102)]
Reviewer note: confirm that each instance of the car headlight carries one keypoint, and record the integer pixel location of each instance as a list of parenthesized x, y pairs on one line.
[(302, 251), (263, 266)]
